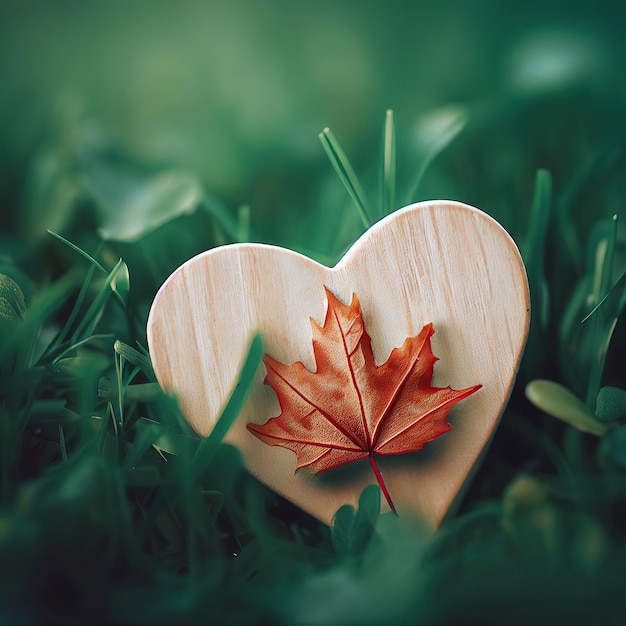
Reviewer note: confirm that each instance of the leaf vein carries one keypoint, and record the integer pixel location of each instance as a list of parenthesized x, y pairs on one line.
[(322, 412)]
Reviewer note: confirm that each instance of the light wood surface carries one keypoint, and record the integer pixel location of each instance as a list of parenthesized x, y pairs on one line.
[(439, 261)]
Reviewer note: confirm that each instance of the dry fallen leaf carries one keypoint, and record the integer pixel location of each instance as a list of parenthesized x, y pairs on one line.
[(350, 408)]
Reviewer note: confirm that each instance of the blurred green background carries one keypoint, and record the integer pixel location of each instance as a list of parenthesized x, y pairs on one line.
[(151, 131), (237, 91)]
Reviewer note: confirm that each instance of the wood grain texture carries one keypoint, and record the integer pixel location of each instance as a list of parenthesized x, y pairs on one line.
[(439, 261)]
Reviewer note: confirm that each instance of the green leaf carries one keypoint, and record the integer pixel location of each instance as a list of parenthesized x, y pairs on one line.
[(132, 202), (610, 404), (12, 302), (369, 508), (341, 529), (52, 192), (26, 338), (7, 312), (346, 174), (352, 530), (561, 403)]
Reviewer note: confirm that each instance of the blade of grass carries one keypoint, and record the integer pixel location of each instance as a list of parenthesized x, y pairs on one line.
[(136, 358), (533, 253), (165, 439), (609, 260), (346, 174), (143, 350), (388, 166), (560, 402), (589, 172), (118, 295), (119, 370), (533, 250), (79, 250), (140, 392), (535, 245), (26, 338), (618, 289), (78, 344), (569, 332), (62, 443), (603, 323), (90, 319), (209, 445), (76, 308)]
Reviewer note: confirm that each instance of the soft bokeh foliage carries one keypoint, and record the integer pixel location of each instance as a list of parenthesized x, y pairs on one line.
[(142, 133)]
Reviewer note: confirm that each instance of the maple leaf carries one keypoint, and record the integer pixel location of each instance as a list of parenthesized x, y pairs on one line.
[(350, 408)]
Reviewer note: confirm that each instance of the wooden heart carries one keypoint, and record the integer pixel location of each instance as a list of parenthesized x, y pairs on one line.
[(441, 262)]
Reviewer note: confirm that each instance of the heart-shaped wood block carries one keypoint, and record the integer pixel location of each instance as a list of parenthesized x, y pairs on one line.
[(441, 262)]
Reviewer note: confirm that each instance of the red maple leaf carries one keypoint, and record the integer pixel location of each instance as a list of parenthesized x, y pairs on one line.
[(350, 408)]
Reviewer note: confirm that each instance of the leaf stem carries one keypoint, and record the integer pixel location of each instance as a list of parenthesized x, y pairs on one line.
[(381, 482)]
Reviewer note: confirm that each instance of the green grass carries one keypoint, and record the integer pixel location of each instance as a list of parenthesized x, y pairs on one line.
[(113, 511)]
